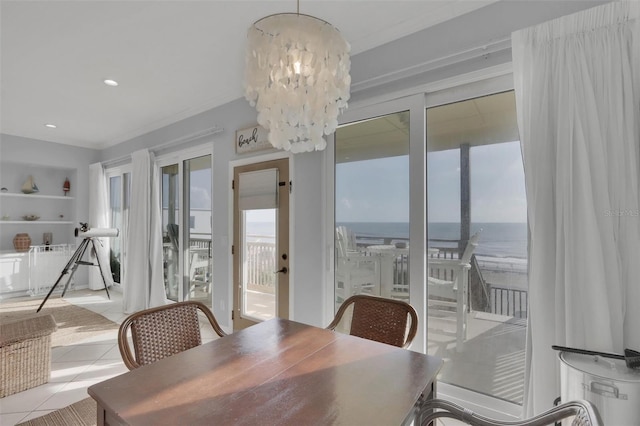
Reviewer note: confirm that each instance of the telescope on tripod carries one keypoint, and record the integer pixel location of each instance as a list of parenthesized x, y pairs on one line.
[(89, 235)]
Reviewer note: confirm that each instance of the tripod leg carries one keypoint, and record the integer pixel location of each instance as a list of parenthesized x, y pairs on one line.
[(85, 243), (73, 260), (100, 268)]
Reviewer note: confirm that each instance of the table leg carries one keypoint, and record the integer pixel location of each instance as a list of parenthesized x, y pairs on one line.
[(418, 414), (428, 394), (101, 414)]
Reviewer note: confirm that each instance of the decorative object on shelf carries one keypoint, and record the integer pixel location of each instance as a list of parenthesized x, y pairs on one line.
[(66, 186), (61, 216), (6, 217), (22, 242), (31, 217), (29, 186), (3, 189), (47, 239), (297, 76)]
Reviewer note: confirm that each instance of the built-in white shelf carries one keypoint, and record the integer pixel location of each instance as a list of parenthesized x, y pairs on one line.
[(39, 196), (32, 272), (56, 211)]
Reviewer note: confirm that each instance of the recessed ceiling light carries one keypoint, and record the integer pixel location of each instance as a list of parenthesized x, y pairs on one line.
[(112, 83), (51, 126)]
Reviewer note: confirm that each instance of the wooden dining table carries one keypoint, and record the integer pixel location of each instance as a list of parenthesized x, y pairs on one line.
[(278, 372)]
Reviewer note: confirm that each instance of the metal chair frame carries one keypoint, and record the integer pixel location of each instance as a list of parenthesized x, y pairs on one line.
[(584, 411)]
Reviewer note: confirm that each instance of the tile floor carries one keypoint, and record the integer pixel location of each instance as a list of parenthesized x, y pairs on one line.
[(76, 367)]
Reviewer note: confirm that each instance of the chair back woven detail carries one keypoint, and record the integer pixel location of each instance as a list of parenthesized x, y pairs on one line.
[(584, 411), (160, 332), (164, 333), (379, 319)]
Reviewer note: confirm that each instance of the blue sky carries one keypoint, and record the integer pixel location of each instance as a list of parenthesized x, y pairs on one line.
[(373, 190), (378, 190), (200, 189)]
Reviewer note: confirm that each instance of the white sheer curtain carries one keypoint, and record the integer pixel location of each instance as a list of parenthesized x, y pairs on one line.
[(577, 82), (143, 280), (99, 218)]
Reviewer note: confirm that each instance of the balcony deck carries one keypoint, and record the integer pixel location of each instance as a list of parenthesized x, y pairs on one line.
[(492, 360)]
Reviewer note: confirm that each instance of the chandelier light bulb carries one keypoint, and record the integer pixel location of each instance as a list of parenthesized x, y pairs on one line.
[(297, 77)]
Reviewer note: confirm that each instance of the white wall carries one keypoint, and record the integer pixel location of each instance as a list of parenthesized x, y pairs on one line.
[(308, 247), (16, 149), (307, 251)]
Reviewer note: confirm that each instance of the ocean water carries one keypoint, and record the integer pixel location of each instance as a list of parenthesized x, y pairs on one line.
[(499, 240), (496, 239)]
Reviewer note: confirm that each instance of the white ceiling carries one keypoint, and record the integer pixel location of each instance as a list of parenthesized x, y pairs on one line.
[(173, 59)]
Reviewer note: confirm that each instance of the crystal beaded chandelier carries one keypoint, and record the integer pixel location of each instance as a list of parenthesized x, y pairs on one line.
[(297, 77)]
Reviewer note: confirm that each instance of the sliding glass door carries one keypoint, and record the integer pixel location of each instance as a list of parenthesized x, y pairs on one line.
[(198, 202), (186, 227), (477, 228), (430, 208)]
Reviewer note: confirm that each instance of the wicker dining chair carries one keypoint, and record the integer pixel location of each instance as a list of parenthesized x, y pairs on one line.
[(160, 332), (584, 413), (379, 319)]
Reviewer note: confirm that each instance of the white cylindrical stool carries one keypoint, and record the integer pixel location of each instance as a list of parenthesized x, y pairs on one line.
[(608, 383)]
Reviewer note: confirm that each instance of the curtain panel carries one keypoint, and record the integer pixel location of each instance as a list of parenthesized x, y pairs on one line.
[(143, 273), (99, 218), (577, 85)]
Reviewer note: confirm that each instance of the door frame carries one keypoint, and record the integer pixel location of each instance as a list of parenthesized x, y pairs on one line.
[(259, 159), (415, 104)]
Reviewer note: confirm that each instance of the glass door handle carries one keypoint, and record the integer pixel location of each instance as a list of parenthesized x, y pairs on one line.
[(284, 270)]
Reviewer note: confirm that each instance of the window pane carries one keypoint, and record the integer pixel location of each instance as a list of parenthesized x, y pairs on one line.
[(259, 264), (115, 220), (170, 230), (372, 208), (119, 190), (199, 222)]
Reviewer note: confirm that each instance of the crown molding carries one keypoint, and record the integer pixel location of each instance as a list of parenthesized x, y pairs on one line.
[(479, 51)]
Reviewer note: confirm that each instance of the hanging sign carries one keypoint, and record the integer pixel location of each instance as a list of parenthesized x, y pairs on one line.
[(252, 139)]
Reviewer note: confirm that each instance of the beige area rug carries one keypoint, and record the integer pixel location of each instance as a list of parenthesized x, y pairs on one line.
[(74, 323), (81, 413)]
